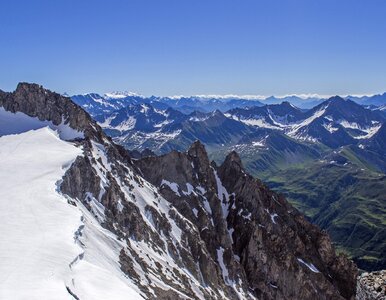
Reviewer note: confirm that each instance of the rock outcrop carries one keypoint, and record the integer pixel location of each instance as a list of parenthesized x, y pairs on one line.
[(265, 242), (371, 286), (36, 101)]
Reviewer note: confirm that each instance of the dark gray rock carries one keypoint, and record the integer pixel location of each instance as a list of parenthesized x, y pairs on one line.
[(267, 243)]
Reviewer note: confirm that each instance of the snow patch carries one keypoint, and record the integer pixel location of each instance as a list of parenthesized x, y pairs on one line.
[(273, 216), (195, 212), (222, 194), (201, 190), (257, 121), (369, 132), (172, 185), (224, 269), (96, 207), (296, 127), (330, 127), (309, 265), (190, 190)]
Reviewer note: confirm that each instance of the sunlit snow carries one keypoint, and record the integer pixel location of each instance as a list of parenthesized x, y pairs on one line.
[(38, 248)]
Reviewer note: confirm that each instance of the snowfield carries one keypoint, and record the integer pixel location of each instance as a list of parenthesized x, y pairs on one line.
[(40, 255)]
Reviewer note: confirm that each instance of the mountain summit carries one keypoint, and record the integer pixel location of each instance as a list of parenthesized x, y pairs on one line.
[(169, 227)]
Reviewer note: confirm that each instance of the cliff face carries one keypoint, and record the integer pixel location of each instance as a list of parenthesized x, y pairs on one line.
[(264, 241), (192, 230), (35, 101)]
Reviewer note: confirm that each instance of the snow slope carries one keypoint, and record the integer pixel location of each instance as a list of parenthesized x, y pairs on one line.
[(14, 123), (41, 258)]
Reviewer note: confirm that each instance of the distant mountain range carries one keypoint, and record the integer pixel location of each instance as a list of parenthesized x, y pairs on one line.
[(139, 123), (375, 100), (334, 123), (97, 104)]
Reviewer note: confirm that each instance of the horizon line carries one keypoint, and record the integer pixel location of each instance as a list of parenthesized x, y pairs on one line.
[(304, 96)]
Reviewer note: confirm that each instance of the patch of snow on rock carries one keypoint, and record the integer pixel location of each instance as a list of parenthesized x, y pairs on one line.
[(309, 266), (172, 185)]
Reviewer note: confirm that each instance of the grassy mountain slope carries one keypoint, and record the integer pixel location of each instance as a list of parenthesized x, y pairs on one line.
[(344, 196)]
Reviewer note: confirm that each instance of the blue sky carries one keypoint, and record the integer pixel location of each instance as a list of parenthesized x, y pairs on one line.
[(167, 47)]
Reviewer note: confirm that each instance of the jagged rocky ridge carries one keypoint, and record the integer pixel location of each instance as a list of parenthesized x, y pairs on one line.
[(192, 230), (263, 240)]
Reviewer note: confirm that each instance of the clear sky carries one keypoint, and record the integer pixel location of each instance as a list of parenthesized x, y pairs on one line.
[(174, 47)]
